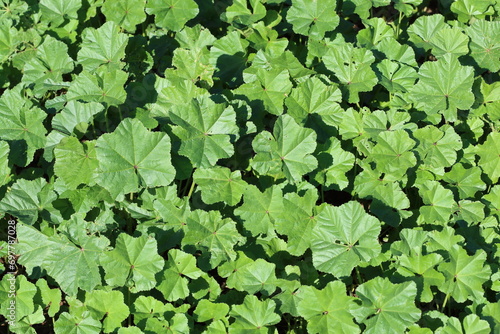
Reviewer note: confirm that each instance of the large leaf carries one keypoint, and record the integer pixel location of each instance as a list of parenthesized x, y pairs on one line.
[(444, 86), (464, 274), (172, 14), (343, 237), (219, 184), (126, 14), (205, 129), (327, 310), (75, 162), (386, 307), (134, 262), (313, 18), (21, 125), (288, 150), (132, 157), (102, 46), (253, 315)]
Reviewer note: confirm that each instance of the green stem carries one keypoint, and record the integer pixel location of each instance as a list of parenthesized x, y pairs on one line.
[(445, 301), (358, 276), (191, 189), (398, 28)]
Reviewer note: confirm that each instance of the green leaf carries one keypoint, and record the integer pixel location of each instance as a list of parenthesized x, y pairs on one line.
[(392, 153), (327, 310), (109, 305), (444, 86), (229, 57), (127, 14), (240, 14), (386, 307), (253, 315), (8, 41), (288, 150), (219, 184), (216, 237), (172, 14), (449, 41), (51, 297), (437, 148), (21, 125), (485, 44), (26, 199), (352, 66), (260, 210), (466, 180), (468, 10), (206, 310), (297, 220), (134, 263), (464, 274), (57, 11), (71, 263), (50, 62), (179, 265), (5, 170), (102, 86), (268, 88), (24, 294), (396, 77), (313, 18), (102, 46), (75, 162), (205, 130), (76, 116), (489, 156), (253, 277), (438, 202), (424, 27), (68, 323), (133, 157), (333, 164), (312, 96), (343, 237)]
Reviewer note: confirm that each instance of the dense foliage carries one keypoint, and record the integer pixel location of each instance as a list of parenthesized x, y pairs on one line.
[(251, 166)]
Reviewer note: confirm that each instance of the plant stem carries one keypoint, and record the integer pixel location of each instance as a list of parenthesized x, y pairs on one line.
[(445, 301), (191, 189)]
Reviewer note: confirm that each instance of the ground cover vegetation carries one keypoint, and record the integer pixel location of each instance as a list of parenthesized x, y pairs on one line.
[(250, 166)]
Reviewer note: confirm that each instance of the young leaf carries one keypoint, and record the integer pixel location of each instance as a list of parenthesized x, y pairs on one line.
[(174, 285)]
